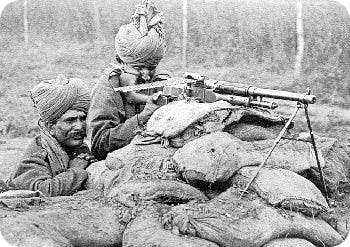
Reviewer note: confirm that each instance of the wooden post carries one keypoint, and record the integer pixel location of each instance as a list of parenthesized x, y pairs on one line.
[(184, 35), (300, 39), (99, 35), (25, 23)]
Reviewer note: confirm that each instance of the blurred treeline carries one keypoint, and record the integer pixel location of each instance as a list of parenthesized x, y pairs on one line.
[(220, 33)]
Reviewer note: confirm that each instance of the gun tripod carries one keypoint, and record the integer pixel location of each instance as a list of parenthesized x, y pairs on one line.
[(280, 136)]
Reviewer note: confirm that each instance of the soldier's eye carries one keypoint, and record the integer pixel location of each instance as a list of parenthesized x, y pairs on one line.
[(70, 120)]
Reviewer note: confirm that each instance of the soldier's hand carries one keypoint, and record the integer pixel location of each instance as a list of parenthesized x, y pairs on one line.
[(88, 157), (150, 107), (78, 163), (82, 161), (151, 104)]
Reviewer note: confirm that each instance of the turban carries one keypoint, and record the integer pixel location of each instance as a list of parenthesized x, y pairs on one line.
[(53, 98), (141, 41)]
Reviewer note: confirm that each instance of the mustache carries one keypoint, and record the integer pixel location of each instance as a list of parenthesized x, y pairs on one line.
[(77, 134)]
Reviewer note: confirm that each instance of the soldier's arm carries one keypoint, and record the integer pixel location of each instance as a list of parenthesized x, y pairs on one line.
[(107, 124), (34, 173)]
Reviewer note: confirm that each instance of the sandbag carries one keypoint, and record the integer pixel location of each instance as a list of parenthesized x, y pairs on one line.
[(227, 221), (163, 191), (214, 158), (253, 131), (64, 221), (182, 121), (286, 189), (289, 242), (98, 175), (292, 155), (20, 194), (146, 230), (337, 164), (172, 119)]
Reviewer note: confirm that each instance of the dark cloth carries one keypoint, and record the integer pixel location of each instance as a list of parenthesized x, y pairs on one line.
[(112, 121), (34, 172)]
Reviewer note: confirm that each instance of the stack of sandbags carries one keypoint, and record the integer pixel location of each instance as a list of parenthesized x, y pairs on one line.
[(118, 164), (218, 156), (141, 172), (175, 179)]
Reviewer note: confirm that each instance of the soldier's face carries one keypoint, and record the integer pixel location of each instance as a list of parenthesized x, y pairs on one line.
[(70, 129), (146, 73)]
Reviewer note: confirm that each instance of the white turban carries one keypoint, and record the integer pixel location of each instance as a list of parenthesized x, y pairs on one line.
[(141, 41), (53, 98)]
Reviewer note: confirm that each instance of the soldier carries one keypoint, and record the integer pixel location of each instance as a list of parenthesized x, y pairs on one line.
[(55, 161), (114, 117)]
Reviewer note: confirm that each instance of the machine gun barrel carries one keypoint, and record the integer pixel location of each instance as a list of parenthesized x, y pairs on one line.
[(244, 101), (251, 91)]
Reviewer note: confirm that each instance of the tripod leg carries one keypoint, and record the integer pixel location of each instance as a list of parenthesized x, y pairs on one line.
[(316, 153), (278, 138)]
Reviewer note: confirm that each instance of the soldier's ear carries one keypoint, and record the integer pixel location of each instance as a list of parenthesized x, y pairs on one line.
[(50, 126)]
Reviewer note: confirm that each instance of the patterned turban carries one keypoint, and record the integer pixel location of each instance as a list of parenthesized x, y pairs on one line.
[(141, 41), (53, 98)]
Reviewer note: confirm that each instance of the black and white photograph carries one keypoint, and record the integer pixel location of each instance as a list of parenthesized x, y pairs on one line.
[(162, 123)]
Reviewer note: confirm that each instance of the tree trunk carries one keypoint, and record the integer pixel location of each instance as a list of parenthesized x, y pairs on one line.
[(184, 35), (300, 40), (25, 23)]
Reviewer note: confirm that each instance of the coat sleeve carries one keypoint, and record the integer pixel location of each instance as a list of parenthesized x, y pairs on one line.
[(34, 173), (108, 129)]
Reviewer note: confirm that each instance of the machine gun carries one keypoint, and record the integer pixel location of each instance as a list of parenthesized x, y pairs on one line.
[(207, 90), (204, 89)]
